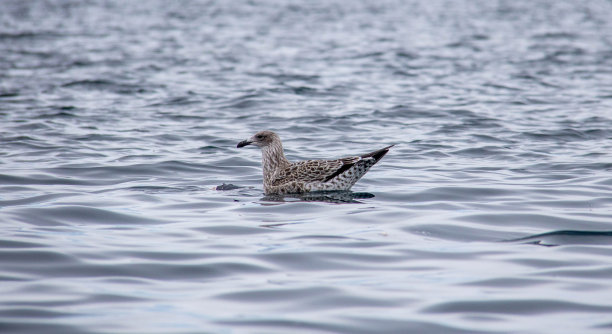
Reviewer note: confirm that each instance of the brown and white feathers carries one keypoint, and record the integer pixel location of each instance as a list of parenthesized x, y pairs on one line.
[(283, 177)]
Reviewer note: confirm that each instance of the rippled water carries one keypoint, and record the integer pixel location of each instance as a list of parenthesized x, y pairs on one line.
[(118, 120)]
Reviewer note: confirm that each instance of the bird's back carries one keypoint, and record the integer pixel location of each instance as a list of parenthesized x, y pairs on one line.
[(319, 175)]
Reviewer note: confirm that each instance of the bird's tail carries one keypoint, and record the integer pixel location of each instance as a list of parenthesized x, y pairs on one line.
[(378, 154)]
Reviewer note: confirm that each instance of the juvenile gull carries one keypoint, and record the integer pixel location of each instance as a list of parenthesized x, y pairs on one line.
[(280, 176)]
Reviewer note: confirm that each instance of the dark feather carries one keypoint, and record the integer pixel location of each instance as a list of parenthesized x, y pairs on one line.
[(340, 170), (377, 155), (350, 162)]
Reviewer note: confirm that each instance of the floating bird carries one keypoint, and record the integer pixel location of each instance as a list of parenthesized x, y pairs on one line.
[(283, 177)]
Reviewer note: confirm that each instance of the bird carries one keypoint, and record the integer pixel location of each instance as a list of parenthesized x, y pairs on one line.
[(280, 176)]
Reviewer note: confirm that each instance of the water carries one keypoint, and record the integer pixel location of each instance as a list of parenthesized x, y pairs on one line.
[(118, 120)]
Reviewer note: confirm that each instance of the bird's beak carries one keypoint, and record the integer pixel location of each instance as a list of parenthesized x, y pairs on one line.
[(244, 143)]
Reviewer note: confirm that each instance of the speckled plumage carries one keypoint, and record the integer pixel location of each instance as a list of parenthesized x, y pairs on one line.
[(283, 177)]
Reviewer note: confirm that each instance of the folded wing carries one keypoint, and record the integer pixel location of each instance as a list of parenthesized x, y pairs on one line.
[(326, 170), (314, 170)]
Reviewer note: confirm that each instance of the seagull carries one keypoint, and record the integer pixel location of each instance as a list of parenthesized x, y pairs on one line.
[(280, 176)]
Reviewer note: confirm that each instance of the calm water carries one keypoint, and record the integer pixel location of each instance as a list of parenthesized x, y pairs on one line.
[(118, 120)]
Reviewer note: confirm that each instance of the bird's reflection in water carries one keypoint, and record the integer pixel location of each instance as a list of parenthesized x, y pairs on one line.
[(338, 197)]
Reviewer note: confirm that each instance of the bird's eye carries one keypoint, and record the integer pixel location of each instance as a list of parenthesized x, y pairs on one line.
[(259, 137)]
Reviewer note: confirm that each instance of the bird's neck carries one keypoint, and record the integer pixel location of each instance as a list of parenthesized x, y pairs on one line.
[(273, 158)]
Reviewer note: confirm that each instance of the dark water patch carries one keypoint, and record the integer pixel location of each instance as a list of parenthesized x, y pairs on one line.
[(232, 230), (34, 199), (106, 85), (356, 325), (492, 139), (597, 120), (604, 326), (126, 158), (56, 115), (33, 126), (34, 256), (35, 148), (541, 264), (366, 324), (7, 244), (150, 271), (182, 117), (162, 256), (517, 307), (571, 166), (167, 138), (33, 313), (503, 87), (352, 244), (165, 190), (102, 137), (586, 273), (565, 135), (40, 326), (42, 179), (485, 152), (604, 182), (550, 176), (187, 167), (562, 35), (446, 254), (534, 220), (285, 325), (133, 170), (110, 298), (406, 54), (16, 190), (276, 295), (177, 101), (341, 300), (246, 101), (209, 149), (507, 282), (328, 260), (321, 237), (28, 35), (300, 90), (14, 278), (285, 77), (303, 90), (375, 54), (586, 204), (311, 298), (8, 93), (94, 298), (568, 237), (74, 214)]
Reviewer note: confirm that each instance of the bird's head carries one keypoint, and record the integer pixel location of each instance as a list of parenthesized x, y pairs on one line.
[(261, 139)]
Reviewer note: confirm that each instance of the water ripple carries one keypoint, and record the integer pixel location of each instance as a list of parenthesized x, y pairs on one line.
[(123, 196)]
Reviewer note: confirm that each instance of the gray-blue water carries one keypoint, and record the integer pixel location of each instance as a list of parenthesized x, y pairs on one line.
[(118, 120)]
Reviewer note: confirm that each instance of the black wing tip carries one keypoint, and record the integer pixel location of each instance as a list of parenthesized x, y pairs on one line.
[(378, 154)]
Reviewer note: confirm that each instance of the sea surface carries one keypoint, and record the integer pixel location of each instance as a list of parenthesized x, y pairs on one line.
[(125, 206)]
